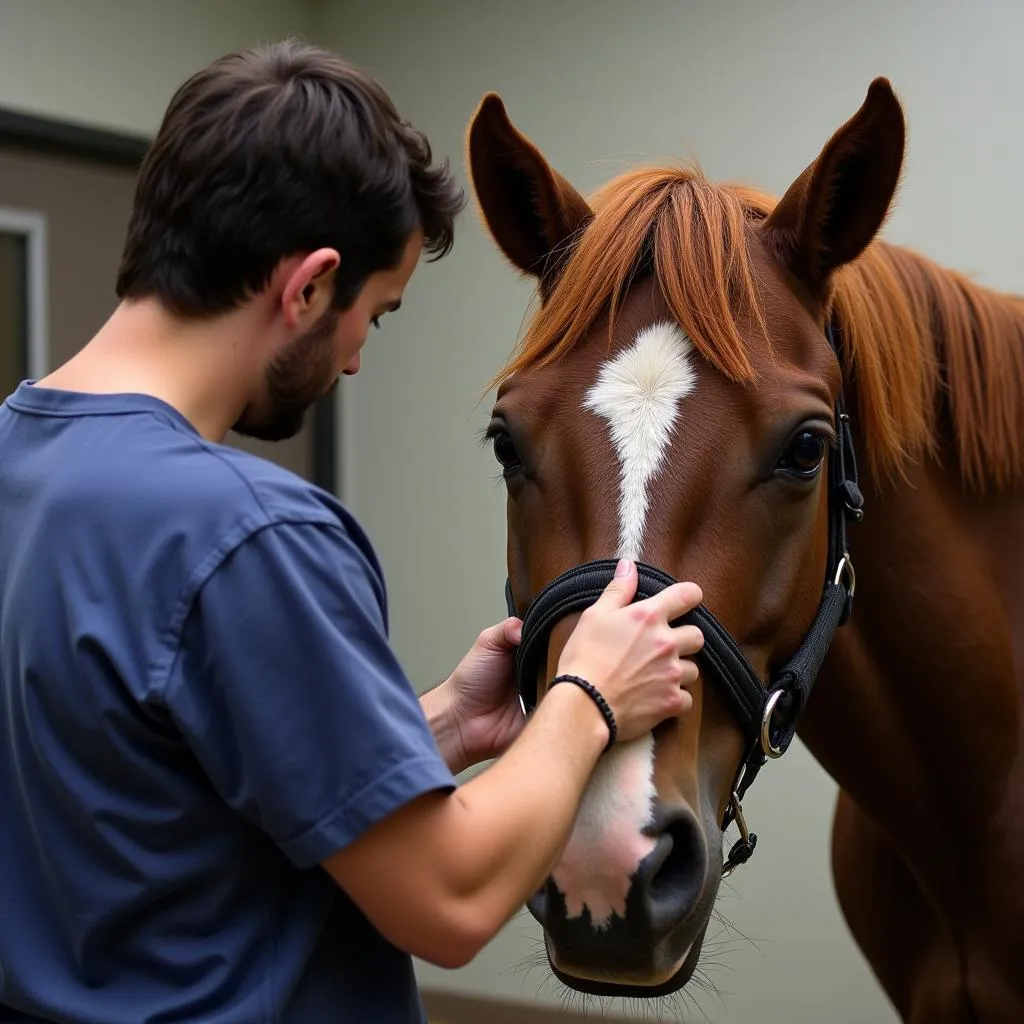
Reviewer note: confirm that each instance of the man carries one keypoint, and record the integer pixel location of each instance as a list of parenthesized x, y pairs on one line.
[(221, 800)]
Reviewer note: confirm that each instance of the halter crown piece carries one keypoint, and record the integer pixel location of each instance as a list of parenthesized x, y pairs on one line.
[(767, 714)]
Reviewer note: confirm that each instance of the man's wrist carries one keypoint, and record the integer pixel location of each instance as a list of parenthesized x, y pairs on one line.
[(586, 715), (439, 706), (597, 697)]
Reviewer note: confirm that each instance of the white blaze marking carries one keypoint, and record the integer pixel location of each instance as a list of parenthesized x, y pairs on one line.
[(638, 393)]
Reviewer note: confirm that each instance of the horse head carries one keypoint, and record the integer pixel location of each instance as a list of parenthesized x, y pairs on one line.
[(676, 400)]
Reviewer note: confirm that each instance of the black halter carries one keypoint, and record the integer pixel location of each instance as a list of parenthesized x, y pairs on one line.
[(767, 715)]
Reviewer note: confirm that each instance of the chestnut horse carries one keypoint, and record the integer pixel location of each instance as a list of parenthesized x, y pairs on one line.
[(718, 384)]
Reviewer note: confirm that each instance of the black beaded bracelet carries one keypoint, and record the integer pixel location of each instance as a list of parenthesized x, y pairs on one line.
[(595, 696)]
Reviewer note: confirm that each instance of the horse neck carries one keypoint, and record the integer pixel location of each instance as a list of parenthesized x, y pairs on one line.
[(915, 713)]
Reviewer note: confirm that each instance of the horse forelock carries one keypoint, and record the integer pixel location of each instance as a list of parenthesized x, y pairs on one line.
[(676, 223)]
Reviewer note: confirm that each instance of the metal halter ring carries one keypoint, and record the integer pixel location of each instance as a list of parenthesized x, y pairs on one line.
[(846, 565), (769, 748)]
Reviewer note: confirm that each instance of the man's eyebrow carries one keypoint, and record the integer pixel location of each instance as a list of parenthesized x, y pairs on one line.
[(393, 307)]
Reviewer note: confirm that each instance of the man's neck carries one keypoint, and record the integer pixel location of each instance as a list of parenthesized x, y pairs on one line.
[(202, 368)]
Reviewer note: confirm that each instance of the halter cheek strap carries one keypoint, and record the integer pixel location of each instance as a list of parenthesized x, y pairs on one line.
[(767, 715)]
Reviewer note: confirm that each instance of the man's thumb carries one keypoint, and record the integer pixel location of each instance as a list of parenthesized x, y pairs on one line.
[(622, 588)]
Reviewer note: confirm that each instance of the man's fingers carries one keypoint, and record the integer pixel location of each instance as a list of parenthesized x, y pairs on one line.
[(678, 599), (690, 640), (502, 636), (621, 589), (513, 629)]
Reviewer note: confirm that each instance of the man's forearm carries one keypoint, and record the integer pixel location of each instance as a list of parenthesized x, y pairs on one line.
[(516, 816), (438, 707)]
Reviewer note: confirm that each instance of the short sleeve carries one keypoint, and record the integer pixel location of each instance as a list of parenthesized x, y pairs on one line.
[(289, 694)]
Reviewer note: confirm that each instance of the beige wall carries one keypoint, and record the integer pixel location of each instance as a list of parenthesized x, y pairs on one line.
[(753, 89), (115, 63)]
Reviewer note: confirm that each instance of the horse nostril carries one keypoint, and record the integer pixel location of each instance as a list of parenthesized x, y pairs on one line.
[(672, 877)]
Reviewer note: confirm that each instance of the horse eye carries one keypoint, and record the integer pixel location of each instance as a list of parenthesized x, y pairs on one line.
[(804, 454), (505, 450)]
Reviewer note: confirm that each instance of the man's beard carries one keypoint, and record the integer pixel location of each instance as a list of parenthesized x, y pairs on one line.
[(297, 378)]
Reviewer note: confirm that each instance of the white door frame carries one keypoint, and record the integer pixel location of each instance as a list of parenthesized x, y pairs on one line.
[(31, 224)]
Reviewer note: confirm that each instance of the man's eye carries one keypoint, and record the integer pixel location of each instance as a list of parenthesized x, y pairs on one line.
[(375, 320)]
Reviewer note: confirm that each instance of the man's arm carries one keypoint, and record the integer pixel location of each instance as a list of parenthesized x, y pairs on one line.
[(458, 866), (287, 691), (481, 851), (290, 697)]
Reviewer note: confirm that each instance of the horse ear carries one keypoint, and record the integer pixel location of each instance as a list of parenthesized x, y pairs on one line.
[(836, 207), (531, 211)]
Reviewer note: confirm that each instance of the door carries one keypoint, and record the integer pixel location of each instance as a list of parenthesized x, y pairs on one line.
[(65, 199), (22, 287)]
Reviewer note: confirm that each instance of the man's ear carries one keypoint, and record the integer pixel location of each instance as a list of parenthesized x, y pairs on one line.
[(835, 208), (531, 211), (308, 286)]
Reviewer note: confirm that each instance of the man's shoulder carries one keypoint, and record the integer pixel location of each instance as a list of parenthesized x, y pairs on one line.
[(198, 500), (243, 493), (180, 475), (263, 487)]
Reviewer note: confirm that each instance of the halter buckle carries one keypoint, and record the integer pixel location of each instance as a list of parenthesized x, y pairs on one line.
[(743, 849), (845, 567)]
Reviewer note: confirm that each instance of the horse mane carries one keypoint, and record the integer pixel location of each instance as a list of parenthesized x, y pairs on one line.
[(919, 341)]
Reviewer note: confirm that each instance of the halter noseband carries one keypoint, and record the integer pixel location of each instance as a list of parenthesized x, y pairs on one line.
[(768, 715)]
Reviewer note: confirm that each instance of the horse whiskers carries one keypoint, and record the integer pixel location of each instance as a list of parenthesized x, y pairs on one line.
[(728, 926), (704, 984), (528, 964), (670, 1009), (675, 1008)]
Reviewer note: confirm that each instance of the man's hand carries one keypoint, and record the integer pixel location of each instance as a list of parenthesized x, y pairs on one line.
[(475, 713)]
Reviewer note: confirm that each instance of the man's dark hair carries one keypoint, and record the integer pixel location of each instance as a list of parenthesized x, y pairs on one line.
[(271, 152)]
